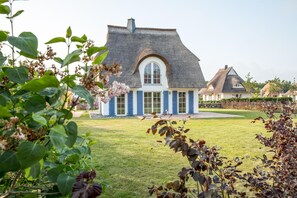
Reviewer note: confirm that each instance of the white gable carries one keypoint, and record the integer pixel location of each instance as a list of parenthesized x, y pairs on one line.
[(232, 72)]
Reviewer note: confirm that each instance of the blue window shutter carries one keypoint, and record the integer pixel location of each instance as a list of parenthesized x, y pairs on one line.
[(112, 107), (191, 102), (130, 103), (174, 102), (165, 101), (139, 102)]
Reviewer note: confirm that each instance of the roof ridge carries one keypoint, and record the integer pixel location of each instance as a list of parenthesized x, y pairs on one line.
[(144, 28)]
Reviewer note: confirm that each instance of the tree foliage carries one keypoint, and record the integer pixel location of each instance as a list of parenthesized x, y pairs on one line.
[(41, 151)]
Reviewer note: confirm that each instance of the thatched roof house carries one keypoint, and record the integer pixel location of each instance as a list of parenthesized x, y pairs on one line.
[(156, 64), (225, 84), (271, 89)]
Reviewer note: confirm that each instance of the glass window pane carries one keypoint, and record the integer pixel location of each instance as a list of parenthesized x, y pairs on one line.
[(157, 102), (156, 74), (182, 102), (147, 102), (147, 74), (121, 105), (152, 102)]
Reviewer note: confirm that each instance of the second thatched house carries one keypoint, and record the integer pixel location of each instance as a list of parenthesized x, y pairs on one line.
[(163, 75), (225, 84)]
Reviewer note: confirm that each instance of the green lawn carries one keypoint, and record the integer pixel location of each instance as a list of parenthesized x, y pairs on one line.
[(128, 160), (247, 114)]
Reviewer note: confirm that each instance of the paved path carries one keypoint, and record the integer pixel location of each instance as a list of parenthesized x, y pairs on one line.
[(77, 114), (199, 115)]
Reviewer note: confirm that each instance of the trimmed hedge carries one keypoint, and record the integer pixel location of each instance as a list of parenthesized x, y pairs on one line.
[(244, 103), (267, 99)]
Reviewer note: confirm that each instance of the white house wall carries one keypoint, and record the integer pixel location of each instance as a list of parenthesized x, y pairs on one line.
[(134, 101), (196, 101)]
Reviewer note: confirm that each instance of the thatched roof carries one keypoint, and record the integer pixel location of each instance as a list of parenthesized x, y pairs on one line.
[(130, 45), (223, 82)]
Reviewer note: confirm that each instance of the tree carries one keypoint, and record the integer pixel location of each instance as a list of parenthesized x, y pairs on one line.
[(250, 85), (276, 87), (41, 152)]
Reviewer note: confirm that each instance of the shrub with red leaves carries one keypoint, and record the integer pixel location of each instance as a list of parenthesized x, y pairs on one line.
[(277, 176), (84, 186), (215, 175)]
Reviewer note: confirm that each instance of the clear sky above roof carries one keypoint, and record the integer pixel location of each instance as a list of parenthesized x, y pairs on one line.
[(251, 35)]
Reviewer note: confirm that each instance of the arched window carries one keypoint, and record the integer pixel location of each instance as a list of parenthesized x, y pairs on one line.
[(152, 74)]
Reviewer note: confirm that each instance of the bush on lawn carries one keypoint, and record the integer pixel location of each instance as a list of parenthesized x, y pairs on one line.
[(215, 175)]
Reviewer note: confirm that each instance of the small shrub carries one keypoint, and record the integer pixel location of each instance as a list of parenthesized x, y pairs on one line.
[(213, 174), (277, 176)]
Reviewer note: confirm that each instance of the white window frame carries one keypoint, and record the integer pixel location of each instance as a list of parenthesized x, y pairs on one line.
[(163, 77), (152, 102), (186, 103), (152, 65), (238, 85), (116, 105)]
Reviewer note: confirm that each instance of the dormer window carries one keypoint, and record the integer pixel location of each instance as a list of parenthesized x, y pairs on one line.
[(237, 85), (152, 74)]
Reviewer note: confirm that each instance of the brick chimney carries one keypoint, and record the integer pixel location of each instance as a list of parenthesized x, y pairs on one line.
[(131, 25), (226, 66)]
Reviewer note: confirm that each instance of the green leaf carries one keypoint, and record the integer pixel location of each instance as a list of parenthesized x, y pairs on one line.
[(71, 131), (83, 93), (49, 91), (27, 55), (84, 37), (58, 137), (77, 39), (73, 158), (69, 58), (9, 161), (65, 183), (99, 59), (16, 14), (70, 80), (4, 9), (35, 103), (79, 46), (26, 42), (2, 59), (52, 120), (68, 32), (3, 36), (100, 85), (67, 114), (39, 119), (3, 1), (59, 129), (54, 100), (58, 60), (17, 74), (29, 153), (33, 172), (39, 84), (4, 112), (74, 59), (93, 50), (4, 100), (56, 40), (53, 173), (58, 140)]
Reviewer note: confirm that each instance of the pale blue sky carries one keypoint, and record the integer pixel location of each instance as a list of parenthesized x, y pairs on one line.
[(257, 36)]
